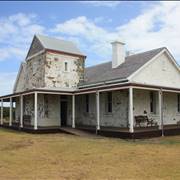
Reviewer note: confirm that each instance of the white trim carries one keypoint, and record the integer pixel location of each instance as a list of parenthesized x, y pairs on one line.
[(97, 111), (21, 111), (103, 90), (173, 91), (1, 111), (10, 112), (131, 116), (56, 93), (73, 111), (36, 54), (102, 83), (161, 125), (145, 88), (35, 110), (150, 61)]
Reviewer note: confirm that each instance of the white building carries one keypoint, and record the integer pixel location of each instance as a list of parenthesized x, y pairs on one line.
[(130, 96)]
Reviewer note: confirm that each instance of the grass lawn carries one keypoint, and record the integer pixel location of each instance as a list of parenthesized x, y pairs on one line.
[(61, 156)]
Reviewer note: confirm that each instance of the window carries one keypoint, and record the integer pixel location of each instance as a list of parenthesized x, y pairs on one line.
[(87, 102), (152, 102), (109, 102), (178, 103), (66, 66)]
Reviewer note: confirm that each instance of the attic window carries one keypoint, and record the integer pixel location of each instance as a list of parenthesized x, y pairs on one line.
[(66, 66)]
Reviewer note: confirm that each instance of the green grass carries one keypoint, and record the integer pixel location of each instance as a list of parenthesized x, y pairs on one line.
[(61, 156)]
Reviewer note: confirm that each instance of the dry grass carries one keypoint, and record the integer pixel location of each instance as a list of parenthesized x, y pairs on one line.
[(60, 156)]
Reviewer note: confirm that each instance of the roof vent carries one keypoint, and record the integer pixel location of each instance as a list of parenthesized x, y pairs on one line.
[(118, 53)]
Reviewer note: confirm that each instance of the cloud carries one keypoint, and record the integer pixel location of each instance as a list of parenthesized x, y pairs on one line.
[(110, 4), (16, 34), (7, 82), (92, 38), (155, 26)]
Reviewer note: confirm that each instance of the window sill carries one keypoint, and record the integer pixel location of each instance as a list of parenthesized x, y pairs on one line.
[(108, 114)]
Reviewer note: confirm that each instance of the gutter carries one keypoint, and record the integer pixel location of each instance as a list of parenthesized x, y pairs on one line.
[(103, 83)]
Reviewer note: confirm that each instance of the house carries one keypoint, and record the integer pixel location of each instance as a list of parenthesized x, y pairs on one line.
[(130, 96)]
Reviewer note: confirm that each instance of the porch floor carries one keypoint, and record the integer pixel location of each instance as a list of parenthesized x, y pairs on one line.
[(139, 132)]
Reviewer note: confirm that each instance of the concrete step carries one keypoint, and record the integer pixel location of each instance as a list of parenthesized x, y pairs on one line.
[(78, 132)]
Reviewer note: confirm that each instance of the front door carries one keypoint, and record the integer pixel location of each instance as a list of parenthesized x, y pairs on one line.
[(63, 113)]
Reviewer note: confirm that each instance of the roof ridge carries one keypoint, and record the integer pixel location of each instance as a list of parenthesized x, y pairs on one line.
[(98, 64), (126, 56), (155, 49), (55, 38)]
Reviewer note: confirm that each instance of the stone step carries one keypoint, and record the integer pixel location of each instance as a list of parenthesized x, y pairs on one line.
[(78, 132)]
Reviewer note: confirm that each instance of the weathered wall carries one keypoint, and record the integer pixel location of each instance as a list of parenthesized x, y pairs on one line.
[(55, 74), (170, 111), (36, 47), (141, 101), (118, 117), (35, 72), (48, 110), (82, 117), (160, 72), (17, 109), (21, 81), (28, 106)]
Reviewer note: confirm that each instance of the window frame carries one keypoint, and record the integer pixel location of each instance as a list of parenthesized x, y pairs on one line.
[(152, 102), (109, 104), (66, 66), (178, 103)]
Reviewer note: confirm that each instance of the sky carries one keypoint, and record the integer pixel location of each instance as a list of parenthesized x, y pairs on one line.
[(92, 25)]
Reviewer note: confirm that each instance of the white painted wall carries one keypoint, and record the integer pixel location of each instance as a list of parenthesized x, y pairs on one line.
[(159, 72), (170, 111), (141, 100), (48, 110), (118, 117)]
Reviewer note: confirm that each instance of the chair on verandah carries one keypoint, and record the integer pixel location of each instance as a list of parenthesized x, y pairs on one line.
[(143, 119)]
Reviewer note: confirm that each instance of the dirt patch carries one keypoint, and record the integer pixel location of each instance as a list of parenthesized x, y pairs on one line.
[(17, 145)]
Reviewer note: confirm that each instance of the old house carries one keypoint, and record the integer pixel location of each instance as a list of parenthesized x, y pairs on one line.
[(130, 96)]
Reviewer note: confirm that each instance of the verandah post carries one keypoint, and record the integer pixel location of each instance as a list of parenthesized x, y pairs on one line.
[(97, 111), (131, 116), (21, 111), (1, 111), (161, 126), (35, 110), (73, 111), (10, 112)]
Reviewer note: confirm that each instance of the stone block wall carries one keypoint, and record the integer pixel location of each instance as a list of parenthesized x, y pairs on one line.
[(57, 76)]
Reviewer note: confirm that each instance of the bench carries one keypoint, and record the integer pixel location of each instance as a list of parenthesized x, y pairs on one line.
[(144, 119)]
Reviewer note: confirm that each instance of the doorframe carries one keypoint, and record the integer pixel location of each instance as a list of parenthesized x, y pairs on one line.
[(63, 100)]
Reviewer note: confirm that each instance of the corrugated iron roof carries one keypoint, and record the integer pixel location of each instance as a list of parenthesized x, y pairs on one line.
[(59, 45)]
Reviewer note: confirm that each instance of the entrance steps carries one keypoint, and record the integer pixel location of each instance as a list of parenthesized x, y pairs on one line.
[(78, 132)]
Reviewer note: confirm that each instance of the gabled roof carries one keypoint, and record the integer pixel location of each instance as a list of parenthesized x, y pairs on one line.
[(104, 72), (59, 45)]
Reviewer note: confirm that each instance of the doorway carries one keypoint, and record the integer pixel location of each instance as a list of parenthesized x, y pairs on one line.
[(63, 113)]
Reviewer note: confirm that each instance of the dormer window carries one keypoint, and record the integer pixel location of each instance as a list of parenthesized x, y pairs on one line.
[(65, 66)]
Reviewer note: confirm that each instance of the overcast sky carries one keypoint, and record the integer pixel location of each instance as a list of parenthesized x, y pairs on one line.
[(91, 25)]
